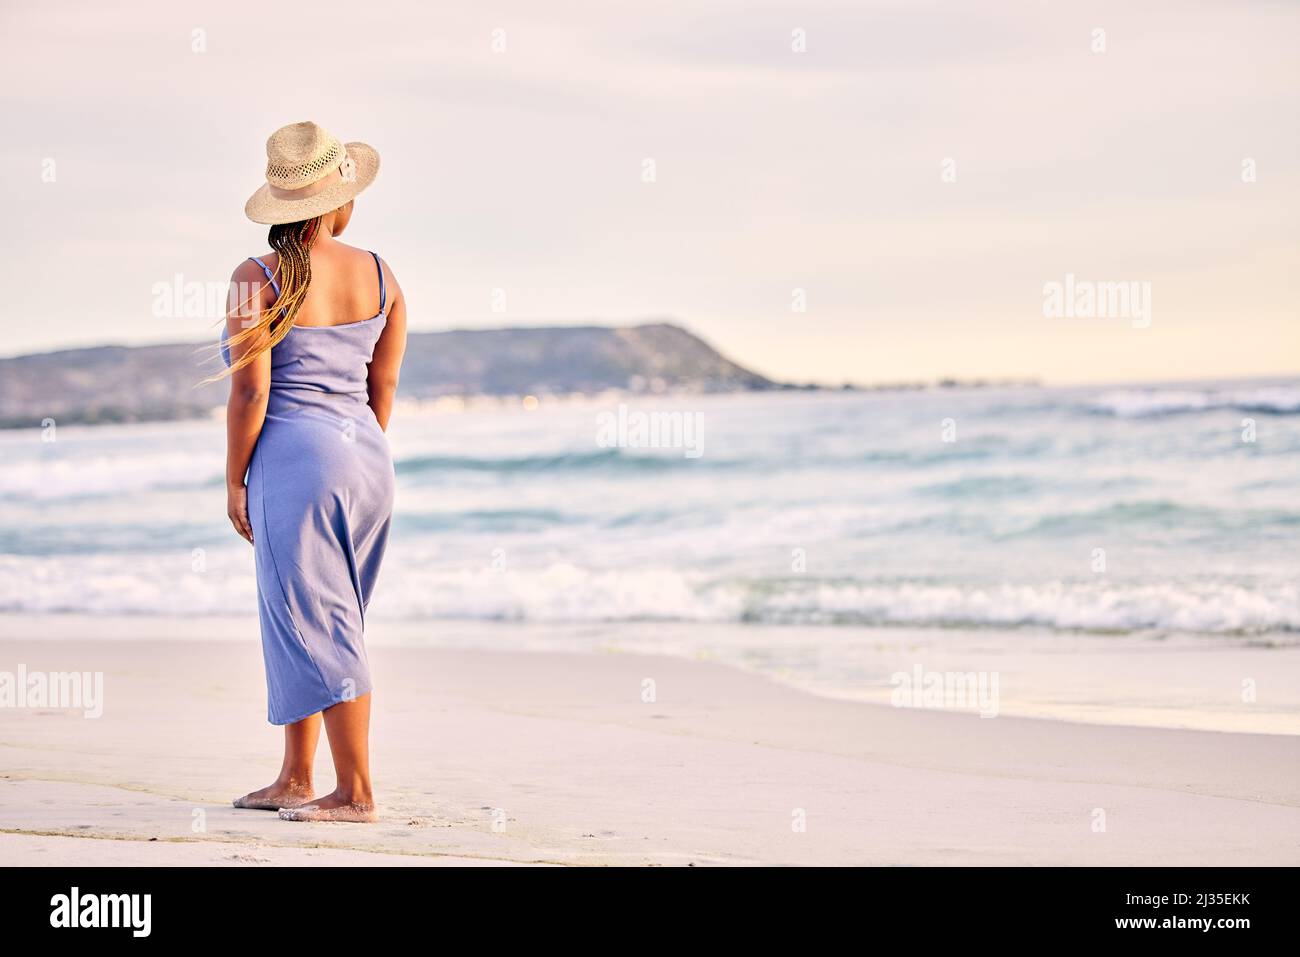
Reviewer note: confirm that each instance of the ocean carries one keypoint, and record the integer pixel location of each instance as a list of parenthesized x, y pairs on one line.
[(1045, 516)]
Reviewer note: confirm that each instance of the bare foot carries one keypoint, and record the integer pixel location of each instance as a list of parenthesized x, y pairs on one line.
[(275, 797), (332, 807)]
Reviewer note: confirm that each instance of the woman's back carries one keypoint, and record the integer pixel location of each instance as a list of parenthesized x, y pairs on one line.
[(345, 285), (336, 327)]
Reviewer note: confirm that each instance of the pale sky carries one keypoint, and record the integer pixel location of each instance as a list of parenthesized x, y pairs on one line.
[(776, 170)]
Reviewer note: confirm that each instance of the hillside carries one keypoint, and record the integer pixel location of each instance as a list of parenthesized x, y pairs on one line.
[(144, 383)]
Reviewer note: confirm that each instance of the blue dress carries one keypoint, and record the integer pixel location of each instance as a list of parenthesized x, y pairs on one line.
[(320, 501)]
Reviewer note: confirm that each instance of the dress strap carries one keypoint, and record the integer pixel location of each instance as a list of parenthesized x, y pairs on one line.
[(269, 275), (383, 293)]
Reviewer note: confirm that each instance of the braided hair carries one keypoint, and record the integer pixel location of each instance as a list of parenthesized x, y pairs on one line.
[(292, 243)]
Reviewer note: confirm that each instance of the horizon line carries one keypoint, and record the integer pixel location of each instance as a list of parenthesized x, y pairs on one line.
[(985, 379)]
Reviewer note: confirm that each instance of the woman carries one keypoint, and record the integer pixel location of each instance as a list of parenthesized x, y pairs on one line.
[(313, 354)]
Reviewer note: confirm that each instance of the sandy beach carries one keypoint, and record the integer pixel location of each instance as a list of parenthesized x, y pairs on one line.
[(516, 757)]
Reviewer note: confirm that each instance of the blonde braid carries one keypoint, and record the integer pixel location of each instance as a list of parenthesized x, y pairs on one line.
[(292, 243)]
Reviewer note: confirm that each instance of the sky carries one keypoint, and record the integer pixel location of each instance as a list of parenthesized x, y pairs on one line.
[(825, 191)]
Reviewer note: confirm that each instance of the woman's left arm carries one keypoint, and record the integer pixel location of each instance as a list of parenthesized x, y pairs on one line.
[(386, 363), (249, 390)]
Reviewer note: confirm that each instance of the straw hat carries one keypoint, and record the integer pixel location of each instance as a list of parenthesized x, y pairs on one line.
[(309, 172)]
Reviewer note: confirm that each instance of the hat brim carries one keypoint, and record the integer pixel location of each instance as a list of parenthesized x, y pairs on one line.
[(263, 207)]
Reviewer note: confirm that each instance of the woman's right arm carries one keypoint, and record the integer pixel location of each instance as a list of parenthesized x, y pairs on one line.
[(249, 390)]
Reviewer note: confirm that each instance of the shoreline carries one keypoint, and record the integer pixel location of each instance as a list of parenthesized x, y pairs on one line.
[(1178, 681), (554, 757)]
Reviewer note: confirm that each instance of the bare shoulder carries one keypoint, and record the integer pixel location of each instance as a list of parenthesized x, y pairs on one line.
[(249, 269), (245, 271), (249, 293), (390, 277), (360, 253), (245, 285), (350, 251)]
